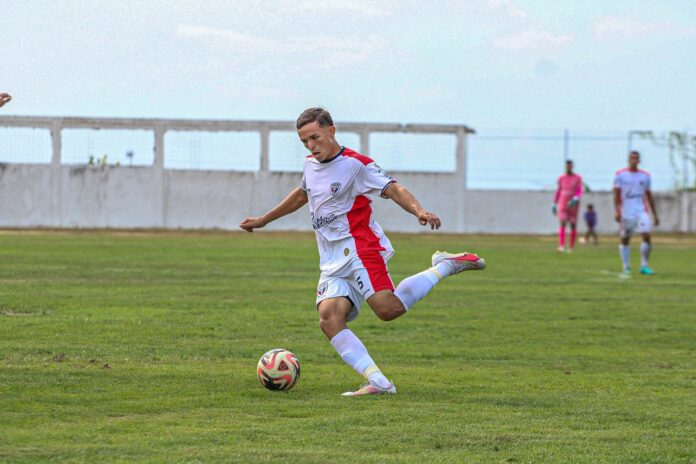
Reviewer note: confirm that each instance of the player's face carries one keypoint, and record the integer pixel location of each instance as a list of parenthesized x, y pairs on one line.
[(569, 167), (320, 141), (633, 160)]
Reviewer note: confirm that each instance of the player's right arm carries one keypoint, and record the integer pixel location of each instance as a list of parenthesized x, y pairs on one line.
[(4, 98), (294, 201), (617, 204), (554, 205), (617, 197)]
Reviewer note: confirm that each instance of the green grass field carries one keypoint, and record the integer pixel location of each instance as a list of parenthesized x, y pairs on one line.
[(121, 347)]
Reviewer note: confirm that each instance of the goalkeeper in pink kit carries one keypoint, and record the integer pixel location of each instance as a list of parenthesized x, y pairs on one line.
[(566, 204)]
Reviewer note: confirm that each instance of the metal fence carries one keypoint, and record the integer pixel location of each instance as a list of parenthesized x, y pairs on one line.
[(218, 145), (515, 159), (501, 159), (207, 174)]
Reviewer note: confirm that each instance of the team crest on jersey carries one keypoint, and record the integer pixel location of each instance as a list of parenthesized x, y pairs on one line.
[(322, 289), (335, 187), (382, 171)]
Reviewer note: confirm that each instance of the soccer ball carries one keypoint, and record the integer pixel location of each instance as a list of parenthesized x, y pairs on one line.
[(278, 369)]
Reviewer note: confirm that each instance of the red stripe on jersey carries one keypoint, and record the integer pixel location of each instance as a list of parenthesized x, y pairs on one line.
[(367, 244), (630, 170), (354, 154)]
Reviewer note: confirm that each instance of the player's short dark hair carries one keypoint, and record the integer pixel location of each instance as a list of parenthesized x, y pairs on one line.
[(315, 114), (590, 206), (634, 151)]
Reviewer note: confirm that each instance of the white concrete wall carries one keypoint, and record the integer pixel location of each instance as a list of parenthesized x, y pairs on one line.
[(25, 195), (525, 212), (57, 195), (138, 197)]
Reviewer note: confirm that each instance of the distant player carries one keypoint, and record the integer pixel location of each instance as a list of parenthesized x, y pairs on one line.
[(591, 223), (631, 190), (566, 203), (4, 98), (353, 250)]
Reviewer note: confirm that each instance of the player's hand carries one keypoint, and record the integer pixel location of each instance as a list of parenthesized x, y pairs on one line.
[(4, 98), (426, 217), (554, 209), (656, 221), (573, 203), (251, 223), (617, 216)]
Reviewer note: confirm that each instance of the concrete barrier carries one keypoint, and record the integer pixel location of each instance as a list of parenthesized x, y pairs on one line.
[(89, 196), (131, 197)]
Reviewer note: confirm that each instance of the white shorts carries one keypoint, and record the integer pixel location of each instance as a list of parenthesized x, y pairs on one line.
[(357, 280), (639, 223)]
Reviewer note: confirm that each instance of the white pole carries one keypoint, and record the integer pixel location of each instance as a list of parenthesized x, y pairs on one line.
[(56, 172)]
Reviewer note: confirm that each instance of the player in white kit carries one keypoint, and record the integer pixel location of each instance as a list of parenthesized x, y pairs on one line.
[(353, 249), (631, 191)]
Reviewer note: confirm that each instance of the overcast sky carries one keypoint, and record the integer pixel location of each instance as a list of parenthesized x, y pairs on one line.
[(486, 63)]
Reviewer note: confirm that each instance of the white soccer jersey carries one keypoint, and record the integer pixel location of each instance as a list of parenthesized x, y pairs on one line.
[(340, 210), (632, 185)]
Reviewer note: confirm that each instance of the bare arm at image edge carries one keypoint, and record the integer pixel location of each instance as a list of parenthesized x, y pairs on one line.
[(4, 98)]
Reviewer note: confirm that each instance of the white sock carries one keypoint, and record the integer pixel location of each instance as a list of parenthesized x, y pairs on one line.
[(413, 288), (356, 356), (443, 269), (625, 252), (644, 253)]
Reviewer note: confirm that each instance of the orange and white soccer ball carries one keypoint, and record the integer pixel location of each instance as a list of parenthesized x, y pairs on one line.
[(278, 369)]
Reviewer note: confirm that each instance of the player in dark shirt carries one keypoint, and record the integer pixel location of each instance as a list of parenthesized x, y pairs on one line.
[(591, 223)]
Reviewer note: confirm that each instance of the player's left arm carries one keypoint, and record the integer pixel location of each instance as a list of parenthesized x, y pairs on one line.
[(576, 195), (580, 190), (402, 197), (651, 202)]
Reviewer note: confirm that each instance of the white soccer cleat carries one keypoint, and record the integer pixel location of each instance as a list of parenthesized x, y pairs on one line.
[(460, 261), (560, 249), (371, 389)]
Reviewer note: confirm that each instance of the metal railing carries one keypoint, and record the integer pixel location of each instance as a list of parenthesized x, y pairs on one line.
[(160, 127)]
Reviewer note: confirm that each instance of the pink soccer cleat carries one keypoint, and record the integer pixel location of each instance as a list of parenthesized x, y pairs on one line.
[(371, 389), (460, 261)]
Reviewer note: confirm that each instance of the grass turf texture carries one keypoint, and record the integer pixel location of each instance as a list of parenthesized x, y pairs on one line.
[(119, 347)]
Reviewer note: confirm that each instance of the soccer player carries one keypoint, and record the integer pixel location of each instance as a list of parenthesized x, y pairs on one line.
[(631, 190), (566, 204), (353, 250), (591, 223), (4, 98)]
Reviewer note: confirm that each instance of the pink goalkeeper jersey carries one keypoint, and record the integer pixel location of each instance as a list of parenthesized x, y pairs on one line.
[(569, 186), (340, 210)]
